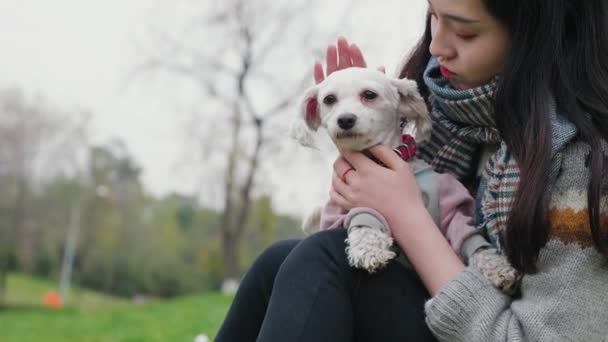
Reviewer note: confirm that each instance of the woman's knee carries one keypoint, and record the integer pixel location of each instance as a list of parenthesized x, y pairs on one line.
[(326, 246), (260, 277), (272, 257)]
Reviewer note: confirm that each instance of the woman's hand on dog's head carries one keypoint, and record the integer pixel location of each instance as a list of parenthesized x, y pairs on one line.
[(340, 56)]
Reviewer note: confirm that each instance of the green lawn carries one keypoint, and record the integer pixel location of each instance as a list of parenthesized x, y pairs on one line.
[(93, 317)]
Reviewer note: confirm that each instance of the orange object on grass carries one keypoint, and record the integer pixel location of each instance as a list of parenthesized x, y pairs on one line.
[(52, 300)]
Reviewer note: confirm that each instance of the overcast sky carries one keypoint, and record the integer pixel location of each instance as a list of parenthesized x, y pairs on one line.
[(78, 53)]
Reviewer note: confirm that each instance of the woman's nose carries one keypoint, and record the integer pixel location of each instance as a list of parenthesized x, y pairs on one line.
[(440, 43)]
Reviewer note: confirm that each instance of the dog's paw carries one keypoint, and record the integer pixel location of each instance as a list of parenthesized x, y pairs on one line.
[(497, 269), (368, 248)]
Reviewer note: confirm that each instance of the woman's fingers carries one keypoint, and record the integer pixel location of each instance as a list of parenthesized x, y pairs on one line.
[(318, 72), (340, 187), (357, 159), (357, 56), (340, 200), (331, 59), (387, 156), (340, 56), (341, 166), (344, 58)]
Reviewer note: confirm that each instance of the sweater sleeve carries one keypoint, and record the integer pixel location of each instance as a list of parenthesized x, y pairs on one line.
[(468, 308), (456, 208)]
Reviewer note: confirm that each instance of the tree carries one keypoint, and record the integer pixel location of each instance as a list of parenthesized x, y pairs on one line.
[(247, 60), (37, 142), (113, 217)]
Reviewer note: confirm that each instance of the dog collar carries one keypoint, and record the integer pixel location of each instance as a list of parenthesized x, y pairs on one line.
[(407, 149)]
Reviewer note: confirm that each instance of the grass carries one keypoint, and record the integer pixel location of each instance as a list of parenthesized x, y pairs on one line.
[(94, 317)]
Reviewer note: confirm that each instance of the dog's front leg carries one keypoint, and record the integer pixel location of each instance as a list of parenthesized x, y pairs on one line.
[(369, 240)]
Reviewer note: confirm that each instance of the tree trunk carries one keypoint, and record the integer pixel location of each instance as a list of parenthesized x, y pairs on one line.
[(26, 247), (23, 229), (3, 276), (231, 254), (229, 236), (236, 213)]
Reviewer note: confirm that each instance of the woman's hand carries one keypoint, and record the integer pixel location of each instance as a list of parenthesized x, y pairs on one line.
[(392, 190), (340, 56)]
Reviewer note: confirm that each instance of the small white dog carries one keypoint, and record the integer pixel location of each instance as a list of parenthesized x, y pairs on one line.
[(360, 108)]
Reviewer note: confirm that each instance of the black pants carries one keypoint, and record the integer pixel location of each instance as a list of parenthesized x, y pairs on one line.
[(306, 291)]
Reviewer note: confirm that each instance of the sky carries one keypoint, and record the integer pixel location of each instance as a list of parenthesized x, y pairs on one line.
[(80, 53)]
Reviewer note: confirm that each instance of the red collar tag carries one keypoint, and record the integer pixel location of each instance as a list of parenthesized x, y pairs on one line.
[(407, 150)]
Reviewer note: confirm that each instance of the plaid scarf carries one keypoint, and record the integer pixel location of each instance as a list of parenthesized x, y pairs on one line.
[(463, 122)]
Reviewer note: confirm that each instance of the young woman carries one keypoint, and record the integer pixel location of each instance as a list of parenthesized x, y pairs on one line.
[(524, 82)]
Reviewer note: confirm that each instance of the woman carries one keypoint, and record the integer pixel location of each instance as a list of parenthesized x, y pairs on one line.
[(524, 82)]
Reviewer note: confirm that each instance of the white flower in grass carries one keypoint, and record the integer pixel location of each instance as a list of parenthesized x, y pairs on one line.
[(201, 338)]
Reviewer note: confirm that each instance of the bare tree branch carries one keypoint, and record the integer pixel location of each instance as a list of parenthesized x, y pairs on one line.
[(234, 72)]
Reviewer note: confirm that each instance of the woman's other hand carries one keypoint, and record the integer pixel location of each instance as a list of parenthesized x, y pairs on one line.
[(340, 56)]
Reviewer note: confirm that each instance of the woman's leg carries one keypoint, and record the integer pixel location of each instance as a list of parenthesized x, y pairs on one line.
[(311, 299), (389, 306), (318, 297), (243, 321)]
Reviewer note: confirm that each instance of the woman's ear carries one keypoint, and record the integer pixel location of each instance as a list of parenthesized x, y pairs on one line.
[(308, 119), (412, 107)]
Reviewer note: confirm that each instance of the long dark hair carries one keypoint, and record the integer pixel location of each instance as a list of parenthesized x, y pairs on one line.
[(561, 49)]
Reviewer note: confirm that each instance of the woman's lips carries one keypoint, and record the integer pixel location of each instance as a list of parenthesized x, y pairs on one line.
[(446, 72)]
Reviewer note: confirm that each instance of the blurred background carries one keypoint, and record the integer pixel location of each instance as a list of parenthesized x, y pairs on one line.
[(144, 153)]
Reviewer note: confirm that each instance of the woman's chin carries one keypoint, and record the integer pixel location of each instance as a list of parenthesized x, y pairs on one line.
[(464, 85), (458, 85)]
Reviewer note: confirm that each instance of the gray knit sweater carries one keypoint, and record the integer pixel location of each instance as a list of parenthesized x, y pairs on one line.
[(567, 300)]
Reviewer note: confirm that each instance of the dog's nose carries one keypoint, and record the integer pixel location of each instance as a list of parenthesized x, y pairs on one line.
[(347, 121)]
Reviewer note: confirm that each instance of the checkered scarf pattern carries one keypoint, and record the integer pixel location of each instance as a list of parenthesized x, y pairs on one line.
[(463, 121)]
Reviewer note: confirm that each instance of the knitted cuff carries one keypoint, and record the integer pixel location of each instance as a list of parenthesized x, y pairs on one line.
[(467, 298)]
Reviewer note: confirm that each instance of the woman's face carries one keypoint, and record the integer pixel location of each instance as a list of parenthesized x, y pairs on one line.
[(468, 42)]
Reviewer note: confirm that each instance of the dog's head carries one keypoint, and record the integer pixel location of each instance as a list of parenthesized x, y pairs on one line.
[(360, 108)]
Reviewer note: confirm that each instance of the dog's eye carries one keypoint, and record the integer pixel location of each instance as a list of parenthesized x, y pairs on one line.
[(329, 100), (369, 95)]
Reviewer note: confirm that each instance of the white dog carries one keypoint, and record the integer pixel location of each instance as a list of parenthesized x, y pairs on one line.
[(360, 108)]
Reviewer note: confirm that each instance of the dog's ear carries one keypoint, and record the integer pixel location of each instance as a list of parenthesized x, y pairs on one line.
[(308, 119), (309, 108), (413, 107)]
